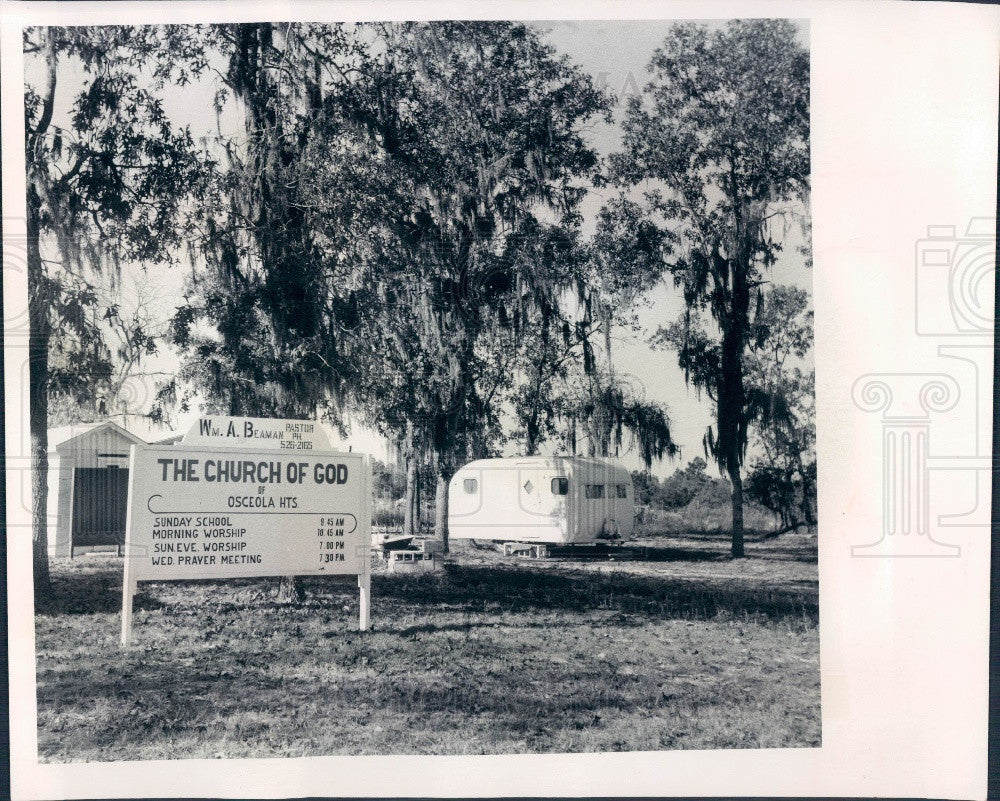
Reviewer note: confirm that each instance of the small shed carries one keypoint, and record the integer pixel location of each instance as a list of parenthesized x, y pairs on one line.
[(88, 487), (561, 499)]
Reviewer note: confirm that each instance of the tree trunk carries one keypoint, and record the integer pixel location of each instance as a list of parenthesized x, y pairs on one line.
[(532, 432), (807, 505), (416, 498), (731, 403), (441, 507), (290, 590), (411, 521), (410, 460), (38, 408), (39, 332), (808, 511), (737, 481)]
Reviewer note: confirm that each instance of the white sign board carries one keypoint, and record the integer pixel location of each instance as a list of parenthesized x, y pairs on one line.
[(258, 433), (196, 513)]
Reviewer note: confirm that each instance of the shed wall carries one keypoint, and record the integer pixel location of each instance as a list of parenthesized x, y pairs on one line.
[(102, 448)]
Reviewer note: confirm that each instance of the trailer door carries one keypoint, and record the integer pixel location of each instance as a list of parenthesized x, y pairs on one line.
[(543, 494), (528, 502)]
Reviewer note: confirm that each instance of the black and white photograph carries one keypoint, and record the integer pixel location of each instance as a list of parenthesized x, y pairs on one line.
[(554, 279), (408, 402)]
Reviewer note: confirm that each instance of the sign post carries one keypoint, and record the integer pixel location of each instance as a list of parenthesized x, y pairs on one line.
[(128, 578), (365, 577), (252, 498)]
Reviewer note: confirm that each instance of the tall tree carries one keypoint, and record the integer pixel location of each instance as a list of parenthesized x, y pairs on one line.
[(263, 329), (570, 381), (482, 125), (104, 184), (720, 136), (622, 264), (262, 325)]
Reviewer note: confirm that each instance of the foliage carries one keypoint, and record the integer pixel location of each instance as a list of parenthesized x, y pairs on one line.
[(120, 171), (598, 410), (262, 326), (110, 377), (685, 485), (103, 188), (722, 132), (688, 485), (387, 480), (783, 474), (572, 391), (387, 517)]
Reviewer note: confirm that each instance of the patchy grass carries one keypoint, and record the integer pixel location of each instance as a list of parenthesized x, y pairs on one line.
[(706, 517), (663, 644)]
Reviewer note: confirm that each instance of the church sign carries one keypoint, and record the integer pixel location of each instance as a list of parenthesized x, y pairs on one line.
[(258, 432), (248, 509)]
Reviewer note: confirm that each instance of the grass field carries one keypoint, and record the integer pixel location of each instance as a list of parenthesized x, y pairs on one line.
[(670, 644)]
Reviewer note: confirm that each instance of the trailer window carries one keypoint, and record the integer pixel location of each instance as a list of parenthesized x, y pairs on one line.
[(470, 485), (594, 491), (560, 486), (622, 492)]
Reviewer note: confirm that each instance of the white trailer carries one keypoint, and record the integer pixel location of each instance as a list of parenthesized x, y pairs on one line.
[(563, 500)]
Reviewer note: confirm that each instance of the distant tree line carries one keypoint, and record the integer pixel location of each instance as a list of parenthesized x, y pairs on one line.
[(680, 489)]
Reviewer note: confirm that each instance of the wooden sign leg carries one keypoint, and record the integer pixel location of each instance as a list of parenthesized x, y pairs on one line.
[(364, 600), (128, 573), (128, 593), (364, 552)]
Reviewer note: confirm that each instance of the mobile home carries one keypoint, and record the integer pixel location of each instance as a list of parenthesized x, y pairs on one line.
[(566, 500)]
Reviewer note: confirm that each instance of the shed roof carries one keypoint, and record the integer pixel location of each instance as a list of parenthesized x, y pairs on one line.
[(63, 435)]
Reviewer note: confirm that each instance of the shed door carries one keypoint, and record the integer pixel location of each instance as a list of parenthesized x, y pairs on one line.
[(100, 498)]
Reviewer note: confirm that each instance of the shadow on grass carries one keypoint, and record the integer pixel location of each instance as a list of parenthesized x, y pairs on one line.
[(779, 548), (90, 594), (617, 621), (636, 553), (524, 590), (484, 589)]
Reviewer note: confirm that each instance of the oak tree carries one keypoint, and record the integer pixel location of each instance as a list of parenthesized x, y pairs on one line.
[(104, 185), (719, 138)]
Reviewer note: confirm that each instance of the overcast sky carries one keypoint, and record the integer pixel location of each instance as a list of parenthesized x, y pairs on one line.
[(616, 54)]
